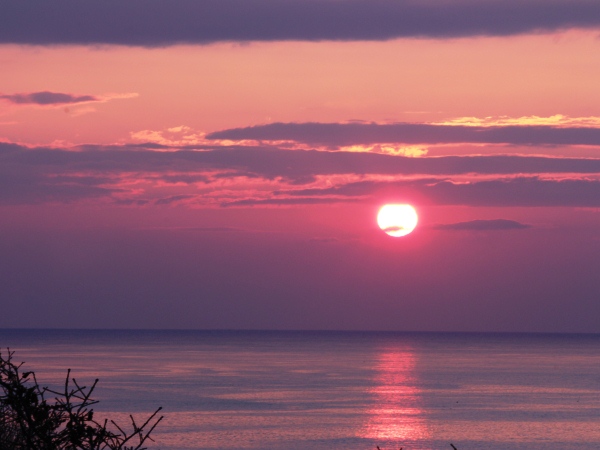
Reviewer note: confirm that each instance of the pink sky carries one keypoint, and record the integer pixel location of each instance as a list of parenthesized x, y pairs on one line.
[(176, 176)]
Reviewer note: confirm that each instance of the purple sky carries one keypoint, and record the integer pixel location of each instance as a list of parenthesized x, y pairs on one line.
[(219, 164)]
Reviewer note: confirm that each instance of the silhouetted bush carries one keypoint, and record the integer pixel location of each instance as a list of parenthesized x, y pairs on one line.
[(30, 421)]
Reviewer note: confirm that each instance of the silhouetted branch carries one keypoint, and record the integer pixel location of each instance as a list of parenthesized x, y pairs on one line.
[(28, 421)]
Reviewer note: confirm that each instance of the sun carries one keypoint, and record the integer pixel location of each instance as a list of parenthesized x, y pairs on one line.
[(397, 220)]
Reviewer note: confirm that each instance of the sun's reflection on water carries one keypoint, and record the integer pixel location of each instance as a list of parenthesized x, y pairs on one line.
[(396, 416)]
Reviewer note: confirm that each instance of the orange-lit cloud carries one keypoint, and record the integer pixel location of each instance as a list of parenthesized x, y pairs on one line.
[(173, 136), (557, 120)]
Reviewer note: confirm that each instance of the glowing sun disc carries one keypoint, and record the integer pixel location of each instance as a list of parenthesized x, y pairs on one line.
[(397, 220)]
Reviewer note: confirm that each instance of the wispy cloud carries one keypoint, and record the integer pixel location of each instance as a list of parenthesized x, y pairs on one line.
[(168, 22), (483, 225)]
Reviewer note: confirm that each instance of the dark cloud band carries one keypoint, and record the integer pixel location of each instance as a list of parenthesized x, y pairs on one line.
[(32, 175), (272, 163), (167, 22), (336, 135)]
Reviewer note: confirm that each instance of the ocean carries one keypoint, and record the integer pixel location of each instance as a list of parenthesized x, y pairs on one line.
[(333, 390)]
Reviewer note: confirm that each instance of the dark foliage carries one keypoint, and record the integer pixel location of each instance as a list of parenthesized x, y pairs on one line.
[(38, 418)]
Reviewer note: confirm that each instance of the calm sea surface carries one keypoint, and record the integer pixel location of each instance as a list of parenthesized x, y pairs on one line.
[(330, 390)]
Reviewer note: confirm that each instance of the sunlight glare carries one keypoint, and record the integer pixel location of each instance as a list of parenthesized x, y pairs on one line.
[(397, 220)]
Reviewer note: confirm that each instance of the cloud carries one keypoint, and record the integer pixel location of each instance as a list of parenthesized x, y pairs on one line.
[(522, 192), (271, 163), (336, 135), (168, 22), (131, 202), (174, 136), (54, 99), (557, 120), (172, 199), (185, 178), (48, 98), (239, 176), (483, 225), (31, 186), (288, 201)]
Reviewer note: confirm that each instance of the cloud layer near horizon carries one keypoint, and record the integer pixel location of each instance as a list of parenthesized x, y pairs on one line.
[(162, 22), (36, 175), (520, 192)]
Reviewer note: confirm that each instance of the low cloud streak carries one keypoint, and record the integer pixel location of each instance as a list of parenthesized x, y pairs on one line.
[(48, 98), (483, 225)]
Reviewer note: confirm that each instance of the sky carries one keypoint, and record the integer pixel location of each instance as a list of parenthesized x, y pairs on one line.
[(219, 164)]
